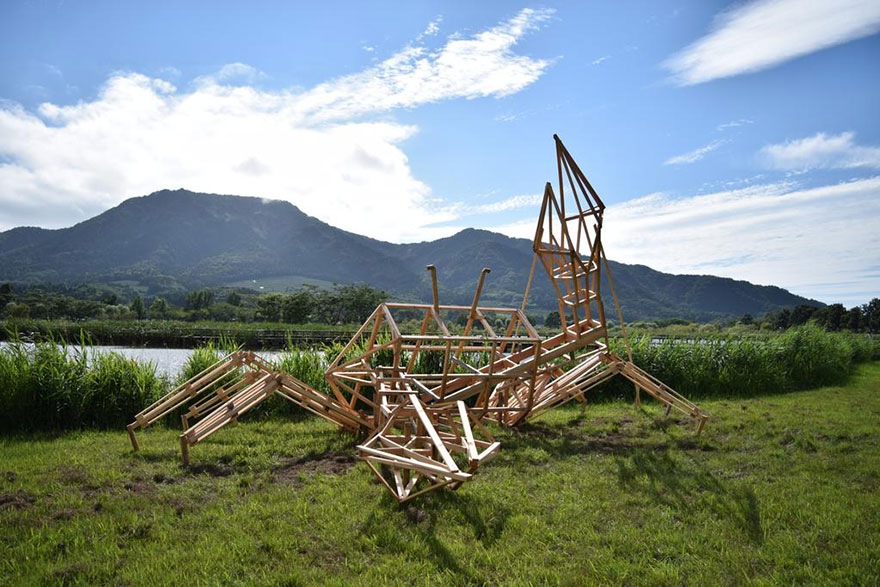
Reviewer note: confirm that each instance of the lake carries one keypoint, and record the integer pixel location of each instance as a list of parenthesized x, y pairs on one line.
[(168, 362)]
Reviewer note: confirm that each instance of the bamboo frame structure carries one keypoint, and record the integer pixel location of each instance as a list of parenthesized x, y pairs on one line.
[(422, 399)]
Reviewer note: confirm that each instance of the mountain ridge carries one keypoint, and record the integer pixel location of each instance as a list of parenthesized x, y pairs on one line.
[(177, 239)]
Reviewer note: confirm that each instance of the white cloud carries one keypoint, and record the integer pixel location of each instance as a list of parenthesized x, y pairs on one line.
[(764, 33), (821, 151), (509, 116), (432, 29), (239, 74), (314, 147), (733, 124), (693, 156), (511, 203), (601, 59), (479, 66), (170, 71), (821, 242)]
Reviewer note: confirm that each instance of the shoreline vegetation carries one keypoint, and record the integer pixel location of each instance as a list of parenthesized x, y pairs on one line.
[(315, 316), (176, 333), (53, 385)]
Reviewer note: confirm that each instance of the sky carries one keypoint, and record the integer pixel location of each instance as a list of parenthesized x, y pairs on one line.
[(734, 139)]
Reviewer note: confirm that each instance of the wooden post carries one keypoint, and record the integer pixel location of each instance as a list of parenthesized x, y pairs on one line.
[(433, 271), (184, 449), (134, 442)]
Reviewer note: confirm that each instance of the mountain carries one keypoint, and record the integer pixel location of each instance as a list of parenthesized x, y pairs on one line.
[(174, 240)]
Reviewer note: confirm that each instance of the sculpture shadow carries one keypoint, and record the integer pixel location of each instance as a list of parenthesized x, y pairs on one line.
[(649, 460), (689, 486), (570, 439), (420, 518)]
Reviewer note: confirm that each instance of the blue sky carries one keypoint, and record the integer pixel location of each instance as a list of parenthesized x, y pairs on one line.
[(738, 139)]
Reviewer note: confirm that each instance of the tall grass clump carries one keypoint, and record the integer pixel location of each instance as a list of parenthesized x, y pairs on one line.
[(812, 357), (48, 386), (803, 357), (118, 387), (206, 355), (306, 365)]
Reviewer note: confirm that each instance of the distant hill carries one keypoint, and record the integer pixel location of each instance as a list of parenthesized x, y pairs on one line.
[(174, 240)]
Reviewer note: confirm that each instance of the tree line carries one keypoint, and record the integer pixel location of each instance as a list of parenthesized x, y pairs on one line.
[(834, 317), (343, 304)]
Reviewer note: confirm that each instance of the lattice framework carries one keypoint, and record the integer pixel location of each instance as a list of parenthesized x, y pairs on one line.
[(423, 400)]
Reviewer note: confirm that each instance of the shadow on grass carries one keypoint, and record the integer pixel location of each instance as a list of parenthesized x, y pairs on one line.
[(650, 460), (486, 529), (397, 526), (688, 488), (614, 437)]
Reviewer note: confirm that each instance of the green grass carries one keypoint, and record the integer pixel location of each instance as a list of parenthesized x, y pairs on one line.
[(800, 358), (52, 387), (779, 489)]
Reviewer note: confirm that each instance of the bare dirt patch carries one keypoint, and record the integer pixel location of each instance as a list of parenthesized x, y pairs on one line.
[(17, 500), (71, 572), (73, 474), (328, 463), (64, 514), (416, 515), (211, 469), (162, 479), (139, 486)]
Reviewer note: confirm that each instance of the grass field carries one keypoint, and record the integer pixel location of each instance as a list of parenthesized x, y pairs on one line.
[(779, 489)]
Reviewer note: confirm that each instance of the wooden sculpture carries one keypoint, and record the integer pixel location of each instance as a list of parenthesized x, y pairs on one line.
[(422, 400)]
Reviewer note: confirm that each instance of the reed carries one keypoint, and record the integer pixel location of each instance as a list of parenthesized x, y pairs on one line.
[(51, 386), (801, 358)]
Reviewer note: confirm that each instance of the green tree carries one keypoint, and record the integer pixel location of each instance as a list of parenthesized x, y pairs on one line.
[(871, 315), (80, 309), (296, 307), (834, 315), (747, 319), (15, 310), (346, 303), (222, 312), (853, 319), (359, 301), (780, 320), (327, 307), (159, 308), (801, 314), (269, 307), (5, 294), (137, 306), (198, 299), (552, 320), (233, 298)]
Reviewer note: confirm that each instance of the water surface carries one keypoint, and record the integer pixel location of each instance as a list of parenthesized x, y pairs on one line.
[(168, 362)]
